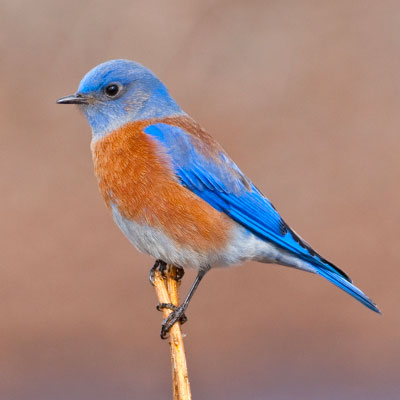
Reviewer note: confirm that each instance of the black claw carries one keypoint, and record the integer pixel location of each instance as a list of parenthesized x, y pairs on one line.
[(177, 315), (170, 306), (160, 266), (179, 273), (163, 334), (183, 319)]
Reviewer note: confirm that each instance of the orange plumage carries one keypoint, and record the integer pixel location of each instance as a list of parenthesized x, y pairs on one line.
[(134, 175)]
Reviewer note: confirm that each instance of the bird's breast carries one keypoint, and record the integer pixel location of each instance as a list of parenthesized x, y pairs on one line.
[(136, 177)]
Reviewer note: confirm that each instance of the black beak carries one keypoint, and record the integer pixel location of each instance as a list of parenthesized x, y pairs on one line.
[(73, 99)]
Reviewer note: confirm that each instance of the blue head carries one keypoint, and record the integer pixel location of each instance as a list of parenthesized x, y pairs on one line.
[(121, 91)]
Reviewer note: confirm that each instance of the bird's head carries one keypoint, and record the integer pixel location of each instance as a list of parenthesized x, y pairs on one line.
[(118, 92)]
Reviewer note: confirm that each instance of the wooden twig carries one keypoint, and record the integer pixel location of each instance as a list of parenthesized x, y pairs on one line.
[(167, 292)]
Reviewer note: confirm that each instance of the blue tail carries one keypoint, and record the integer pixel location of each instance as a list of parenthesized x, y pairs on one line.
[(348, 287)]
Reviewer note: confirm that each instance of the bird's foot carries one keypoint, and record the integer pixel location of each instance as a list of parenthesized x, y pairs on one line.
[(159, 265), (179, 273), (177, 315)]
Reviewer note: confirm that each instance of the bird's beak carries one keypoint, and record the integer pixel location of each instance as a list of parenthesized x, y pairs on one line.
[(76, 98)]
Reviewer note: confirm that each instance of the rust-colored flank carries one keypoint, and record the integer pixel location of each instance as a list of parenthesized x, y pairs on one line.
[(136, 176)]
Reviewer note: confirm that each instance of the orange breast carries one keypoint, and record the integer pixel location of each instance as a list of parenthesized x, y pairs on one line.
[(136, 176)]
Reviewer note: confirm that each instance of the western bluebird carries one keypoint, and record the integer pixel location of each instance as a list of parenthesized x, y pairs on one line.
[(173, 190)]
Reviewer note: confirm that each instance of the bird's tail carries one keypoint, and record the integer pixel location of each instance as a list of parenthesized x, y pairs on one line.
[(348, 287), (331, 272)]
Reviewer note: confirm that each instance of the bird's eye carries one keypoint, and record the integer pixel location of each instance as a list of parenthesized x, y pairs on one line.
[(112, 90)]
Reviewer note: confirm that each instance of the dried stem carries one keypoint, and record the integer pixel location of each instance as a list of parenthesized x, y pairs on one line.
[(167, 292)]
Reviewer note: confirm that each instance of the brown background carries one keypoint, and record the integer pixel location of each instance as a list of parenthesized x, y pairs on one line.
[(305, 97)]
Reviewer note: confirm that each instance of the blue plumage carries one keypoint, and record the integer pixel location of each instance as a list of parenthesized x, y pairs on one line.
[(214, 177), (133, 102)]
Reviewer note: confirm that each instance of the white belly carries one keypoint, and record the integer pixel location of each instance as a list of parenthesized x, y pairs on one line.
[(154, 242), (242, 246)]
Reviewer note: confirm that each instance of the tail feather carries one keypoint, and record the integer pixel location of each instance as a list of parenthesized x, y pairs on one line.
[(348, 287), (333, 274)]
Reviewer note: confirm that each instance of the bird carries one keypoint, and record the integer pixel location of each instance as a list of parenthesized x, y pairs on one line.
[(174, 191)]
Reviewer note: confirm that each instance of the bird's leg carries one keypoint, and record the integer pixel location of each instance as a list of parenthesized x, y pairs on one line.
[(159, 265), (162, 267), (178, 313)]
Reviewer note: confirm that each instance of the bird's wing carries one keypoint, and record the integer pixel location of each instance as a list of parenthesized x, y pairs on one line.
[(203, 167)]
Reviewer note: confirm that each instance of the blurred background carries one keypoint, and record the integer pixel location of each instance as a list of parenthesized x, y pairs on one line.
[(304, 95)]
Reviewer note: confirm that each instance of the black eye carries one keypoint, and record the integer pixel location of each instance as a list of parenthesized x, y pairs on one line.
[(111, 90)]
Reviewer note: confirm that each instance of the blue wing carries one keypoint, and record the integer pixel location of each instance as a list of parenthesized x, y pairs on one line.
[(204, 168)]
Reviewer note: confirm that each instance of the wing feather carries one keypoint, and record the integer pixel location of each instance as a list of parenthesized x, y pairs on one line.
[(207, 171)]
